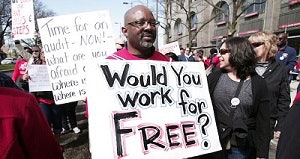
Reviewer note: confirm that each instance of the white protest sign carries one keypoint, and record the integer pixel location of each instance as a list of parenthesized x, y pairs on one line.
[(22, 19), (150, 109), (39, 78), (70, 42), (171, 47)]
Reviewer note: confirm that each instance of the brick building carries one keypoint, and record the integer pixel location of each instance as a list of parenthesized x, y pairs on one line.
[(271, 15)]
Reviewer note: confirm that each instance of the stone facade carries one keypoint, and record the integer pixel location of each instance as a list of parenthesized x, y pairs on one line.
[(274, 15)]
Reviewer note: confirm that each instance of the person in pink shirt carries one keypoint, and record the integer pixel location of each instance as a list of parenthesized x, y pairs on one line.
[(29, 56), (140, 30), (24, 129), (19, 70)]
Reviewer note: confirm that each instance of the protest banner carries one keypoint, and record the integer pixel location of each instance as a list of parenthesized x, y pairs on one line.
[(39, 78), (70, 42), (22, 19), (150, 109), (171, 47)]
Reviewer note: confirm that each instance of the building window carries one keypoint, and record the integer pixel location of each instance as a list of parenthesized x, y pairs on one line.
[(170, 31), (193, 21), (178, 26), (223, 14), (254, 9)]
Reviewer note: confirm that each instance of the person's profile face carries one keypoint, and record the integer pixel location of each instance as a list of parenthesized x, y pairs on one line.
[(42, 55), (35, 52), (224, 55)]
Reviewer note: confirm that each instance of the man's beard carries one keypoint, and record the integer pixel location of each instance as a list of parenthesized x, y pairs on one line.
[(149, 43), (146, 44)]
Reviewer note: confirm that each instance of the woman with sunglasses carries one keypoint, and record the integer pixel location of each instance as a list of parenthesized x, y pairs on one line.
[(240, 101), (21, 65), (265, 47), (45, 99)]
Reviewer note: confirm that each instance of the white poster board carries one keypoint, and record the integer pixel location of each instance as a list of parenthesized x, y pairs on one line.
[(39, 78), (22, 19), (150, 109), (171, 47), (70, 42)]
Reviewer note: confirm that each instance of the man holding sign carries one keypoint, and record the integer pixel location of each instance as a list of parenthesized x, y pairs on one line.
[(148, 109), (140, 31)]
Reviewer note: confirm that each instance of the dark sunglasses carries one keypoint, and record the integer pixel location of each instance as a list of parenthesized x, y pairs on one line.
[(35, 50), (224, 51), (255, 45)]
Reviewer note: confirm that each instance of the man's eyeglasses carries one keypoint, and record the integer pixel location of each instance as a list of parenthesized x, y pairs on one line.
[(224, 51), (142, 23), (257, 44), (35, 50)]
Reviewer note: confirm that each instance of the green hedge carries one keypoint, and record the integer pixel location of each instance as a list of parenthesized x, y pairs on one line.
[(7, 67)]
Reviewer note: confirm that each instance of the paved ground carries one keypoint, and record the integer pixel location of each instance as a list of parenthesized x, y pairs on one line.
[(76, 146), (293, 86)]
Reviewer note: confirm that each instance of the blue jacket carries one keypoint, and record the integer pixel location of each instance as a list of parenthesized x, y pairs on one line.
[(182, 57), (287, 57)]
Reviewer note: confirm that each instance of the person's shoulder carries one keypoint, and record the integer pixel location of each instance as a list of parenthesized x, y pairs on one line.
[(290, 49), (280, 68), (118, 55), (14, 101), (160, 57), (276, 65), (13, 93), (6, 81), (4, 76), (258, 80), (217, 72)]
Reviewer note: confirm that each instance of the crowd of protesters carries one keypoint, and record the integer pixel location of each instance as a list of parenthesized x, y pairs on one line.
[(252, 73)]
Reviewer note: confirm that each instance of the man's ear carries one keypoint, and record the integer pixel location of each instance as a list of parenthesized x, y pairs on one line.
[(124, 31)]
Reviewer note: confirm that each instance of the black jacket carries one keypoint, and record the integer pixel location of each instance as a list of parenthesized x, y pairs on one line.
[(289, 141), (278, 86), (259, 135)]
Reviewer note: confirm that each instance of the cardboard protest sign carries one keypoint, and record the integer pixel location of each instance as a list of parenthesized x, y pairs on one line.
[(22, 19), (150, 109), (39, 78), (171, 47), (70, 42)]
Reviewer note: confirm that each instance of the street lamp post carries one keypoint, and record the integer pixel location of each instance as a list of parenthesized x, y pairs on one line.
[(128, 3), (131, 3), (156, 41)]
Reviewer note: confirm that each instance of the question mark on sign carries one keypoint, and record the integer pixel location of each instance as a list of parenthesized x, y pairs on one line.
[(204, 122)]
